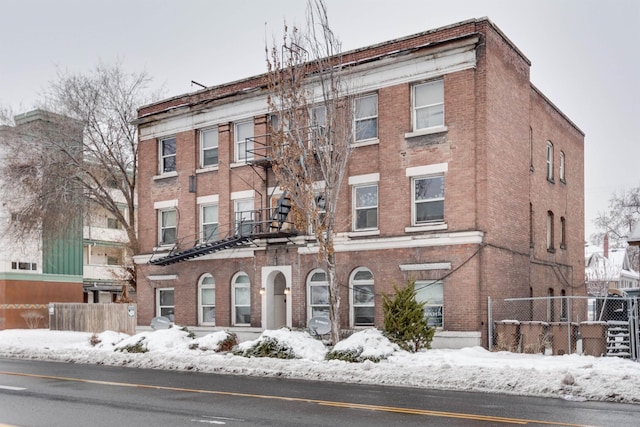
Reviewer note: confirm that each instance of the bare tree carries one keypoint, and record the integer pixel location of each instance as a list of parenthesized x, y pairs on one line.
[(102, 104), (618, 222), (312, 131)]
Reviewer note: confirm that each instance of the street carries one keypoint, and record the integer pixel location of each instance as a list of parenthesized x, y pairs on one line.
[(35, 393)]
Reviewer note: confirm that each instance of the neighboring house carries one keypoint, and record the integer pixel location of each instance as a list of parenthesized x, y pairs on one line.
[(36, 271), (609, 269), (104, 256), (468, 180)]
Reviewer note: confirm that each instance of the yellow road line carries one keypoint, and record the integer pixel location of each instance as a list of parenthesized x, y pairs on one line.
[(347, 405)]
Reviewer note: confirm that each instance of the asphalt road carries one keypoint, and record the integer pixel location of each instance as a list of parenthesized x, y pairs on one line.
[(50, 394)]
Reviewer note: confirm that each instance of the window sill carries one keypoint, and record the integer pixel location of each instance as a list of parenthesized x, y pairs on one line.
[(240, 163), (431, 227), (164, 248), (363, 233), (551, 250), (428, 131), (165, 175), (365, 143), (207, 169), (563, 181), (551, 180)]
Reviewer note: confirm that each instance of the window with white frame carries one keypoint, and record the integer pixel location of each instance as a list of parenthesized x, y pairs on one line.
[(563, 233), (241, 296), (165, 303), (167, 148), (209, 223), (428, 199), (550, 161), (243, 216), (428, 105), (244, 140), (167, 226), (365, 207), (318, 294), (208, 147), (206, 300), (561, 167), (430, 292), (362, 297), (318, 121), (366, 117)]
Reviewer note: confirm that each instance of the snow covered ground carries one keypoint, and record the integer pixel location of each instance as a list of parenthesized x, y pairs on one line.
[(571, 377)]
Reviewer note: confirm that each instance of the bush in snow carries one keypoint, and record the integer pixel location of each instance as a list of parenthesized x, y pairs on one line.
[(369, 344), (221, 341), (404, 321), (160, 340), (282, 344), (137, 347)]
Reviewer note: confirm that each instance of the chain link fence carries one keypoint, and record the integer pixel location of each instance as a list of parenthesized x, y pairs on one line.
[(597, 326)]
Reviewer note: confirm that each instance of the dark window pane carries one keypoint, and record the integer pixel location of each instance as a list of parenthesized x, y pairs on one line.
[(430, 211)]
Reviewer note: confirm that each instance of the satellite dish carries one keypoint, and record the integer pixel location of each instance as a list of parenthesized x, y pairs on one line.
[(160, 322), (319, 325)]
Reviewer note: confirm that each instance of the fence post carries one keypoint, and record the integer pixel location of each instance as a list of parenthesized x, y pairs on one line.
[(489, 324), (569, 329)]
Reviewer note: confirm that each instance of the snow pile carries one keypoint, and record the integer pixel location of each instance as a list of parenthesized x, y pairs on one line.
[(571, 377), (369, 344), (290, 344)]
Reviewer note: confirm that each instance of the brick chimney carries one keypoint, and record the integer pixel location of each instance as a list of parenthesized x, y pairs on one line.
[(605, 244)]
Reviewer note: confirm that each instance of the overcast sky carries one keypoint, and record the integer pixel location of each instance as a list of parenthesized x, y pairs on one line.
[(584, 53)]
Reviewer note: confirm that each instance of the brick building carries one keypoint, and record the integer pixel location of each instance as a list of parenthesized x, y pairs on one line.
[(470, 181)]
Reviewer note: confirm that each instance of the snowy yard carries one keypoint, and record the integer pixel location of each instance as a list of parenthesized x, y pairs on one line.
[(572, 377)]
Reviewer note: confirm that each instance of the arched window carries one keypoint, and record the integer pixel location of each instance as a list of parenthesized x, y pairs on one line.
[(241, 299), (206, 300), (562, 167), (317, 294), (550, 161), (361, 291), (550, 236)]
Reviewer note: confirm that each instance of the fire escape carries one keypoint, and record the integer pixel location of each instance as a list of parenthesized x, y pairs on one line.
[(266, 223)]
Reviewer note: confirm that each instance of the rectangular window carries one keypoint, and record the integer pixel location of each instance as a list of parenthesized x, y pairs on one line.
[(113, 224), (428, 105), (550, 236), (165, 303), (168, 155), (563, 233), (561, 166), (28, 266), (244, 141), (168, 227), (318, 122), (243, 209), (365, 205), (431, 293), (209, 223), (366, 117), (428, 200), (208, 147)]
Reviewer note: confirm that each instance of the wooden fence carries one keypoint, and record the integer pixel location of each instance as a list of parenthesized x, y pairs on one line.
[(93, 317)]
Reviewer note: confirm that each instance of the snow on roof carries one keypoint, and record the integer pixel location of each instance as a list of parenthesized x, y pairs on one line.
[(634, 237)]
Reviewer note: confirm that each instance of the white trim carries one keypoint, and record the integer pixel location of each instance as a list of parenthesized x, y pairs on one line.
[(207, 169), (268, 274), (213, 198), (426, 131), (165, 204), (428, 227), (165, 175), (366, 77), (163, 277), (426, 266), (364, 179), (427, 169), (343, 244), (365, 143), (244, 194)]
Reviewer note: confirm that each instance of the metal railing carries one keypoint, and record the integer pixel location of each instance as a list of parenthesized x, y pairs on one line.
[(562, 325)]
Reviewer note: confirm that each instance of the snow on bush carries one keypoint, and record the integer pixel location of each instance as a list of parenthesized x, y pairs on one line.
[(218, 341), (369, 344), (283, 344), (160, 340)]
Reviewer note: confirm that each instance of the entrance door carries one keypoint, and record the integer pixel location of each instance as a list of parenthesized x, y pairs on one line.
[(279, 301)]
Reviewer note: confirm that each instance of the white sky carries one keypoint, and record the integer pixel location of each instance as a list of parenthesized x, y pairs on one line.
[(571, 377), (584, 53)]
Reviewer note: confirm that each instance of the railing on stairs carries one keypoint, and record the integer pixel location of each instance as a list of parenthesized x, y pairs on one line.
[(248, 226)]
